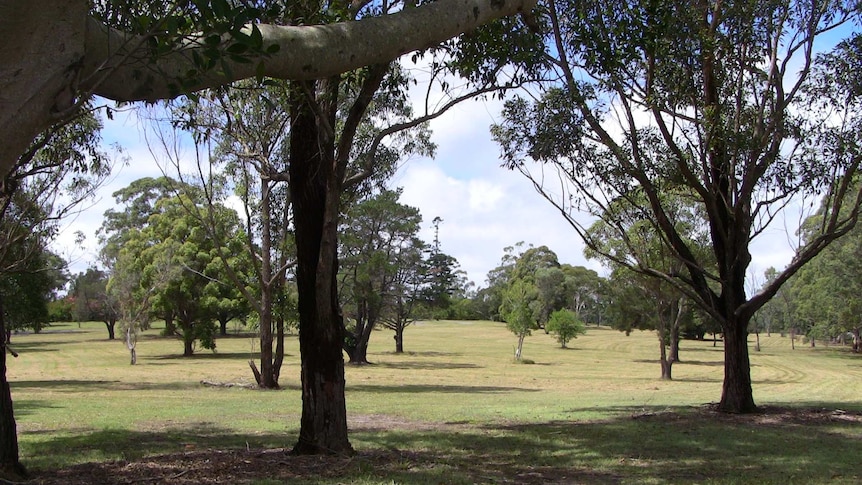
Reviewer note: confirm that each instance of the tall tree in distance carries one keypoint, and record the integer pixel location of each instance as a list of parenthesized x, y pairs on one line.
[(128, 51), (92, 300), (378, 240), (48, 182), (725, 101)]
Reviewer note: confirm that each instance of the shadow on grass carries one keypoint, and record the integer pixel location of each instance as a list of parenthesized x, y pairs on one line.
[(416, 388), (426, 365), (84, 386), (205, 355), (24, 407), (640, 445)]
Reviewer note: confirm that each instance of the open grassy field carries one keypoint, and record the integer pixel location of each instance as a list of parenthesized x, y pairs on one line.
[(454, 408)]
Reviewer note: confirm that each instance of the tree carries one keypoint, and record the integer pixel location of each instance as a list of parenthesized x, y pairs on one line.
[(641, 300), (140, 202), (128, 53), (566, 325), (92, 300), (378, 239), (519, 311), (825, 293), (28, 290), (195, 294), (58, 171), (405, 294), (723, 99)]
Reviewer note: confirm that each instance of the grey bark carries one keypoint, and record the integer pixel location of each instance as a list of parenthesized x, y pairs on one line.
[(55, 55)]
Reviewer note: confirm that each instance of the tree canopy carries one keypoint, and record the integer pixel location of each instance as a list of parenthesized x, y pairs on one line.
[(725, 101)]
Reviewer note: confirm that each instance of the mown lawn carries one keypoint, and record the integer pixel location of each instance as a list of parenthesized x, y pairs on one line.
[(454, 408)]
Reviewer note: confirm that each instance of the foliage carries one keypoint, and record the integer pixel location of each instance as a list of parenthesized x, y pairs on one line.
[(180, 276), (92, 302), (566, 325), (381, 266), (645, 99)]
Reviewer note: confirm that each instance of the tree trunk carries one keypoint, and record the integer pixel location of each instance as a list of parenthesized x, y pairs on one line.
[(10, 466), (223, 326), (359, 356), (316, 190), (736, 394), (665, 362), (188, 341), (399, 339), (279, 349), (674, 332), (520, 347), (110, 324), (131, 344), (856, 340), (267, 374)]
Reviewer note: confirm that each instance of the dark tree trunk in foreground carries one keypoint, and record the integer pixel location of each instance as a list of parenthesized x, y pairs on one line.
[(10, 467), (110, 324), (316, 190), (736, 393)]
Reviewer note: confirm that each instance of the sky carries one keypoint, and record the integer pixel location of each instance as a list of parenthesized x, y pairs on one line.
[(484, 207)]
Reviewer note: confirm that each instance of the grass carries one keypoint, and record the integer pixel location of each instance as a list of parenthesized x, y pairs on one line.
[(455, 407)]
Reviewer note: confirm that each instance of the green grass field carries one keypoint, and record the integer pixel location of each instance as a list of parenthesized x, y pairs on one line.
[(455, 408)]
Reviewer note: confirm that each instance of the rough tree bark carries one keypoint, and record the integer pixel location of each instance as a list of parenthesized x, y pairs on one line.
[(55, 56), (10, 467), (316, 191), (736, 392)]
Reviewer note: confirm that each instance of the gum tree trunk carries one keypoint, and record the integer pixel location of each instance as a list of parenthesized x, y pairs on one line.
[(10, 467), (316, 191), (736, 393)]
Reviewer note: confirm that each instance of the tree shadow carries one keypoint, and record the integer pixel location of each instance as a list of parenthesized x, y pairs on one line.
[(416, 365), (84, 386), (641, 444), (417, 388)]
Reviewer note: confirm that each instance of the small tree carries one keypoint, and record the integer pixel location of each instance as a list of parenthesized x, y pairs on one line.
[(517, 310), (566, 325)]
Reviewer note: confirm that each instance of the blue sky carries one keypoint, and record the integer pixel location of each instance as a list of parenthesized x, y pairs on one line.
[(484, 207)]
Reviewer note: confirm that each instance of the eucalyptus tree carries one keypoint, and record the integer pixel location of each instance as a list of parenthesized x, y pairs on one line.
[(518, 310), (826, 292), (631, 246), (130, 51), (378, 244), (92, 300), (127, 51), (724, 99), (49, 181)]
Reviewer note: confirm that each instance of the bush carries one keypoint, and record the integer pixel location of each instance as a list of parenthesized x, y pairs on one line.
[(566, 325)]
